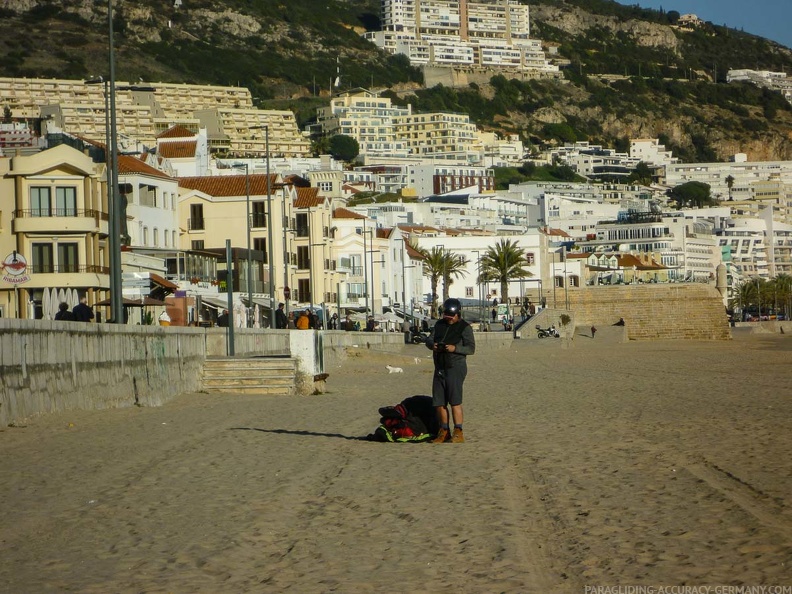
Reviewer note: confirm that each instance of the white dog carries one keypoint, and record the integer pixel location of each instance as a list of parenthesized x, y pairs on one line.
[(394, 369)]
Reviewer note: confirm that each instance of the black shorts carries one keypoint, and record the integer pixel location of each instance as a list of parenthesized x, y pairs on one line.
[(447, 385)]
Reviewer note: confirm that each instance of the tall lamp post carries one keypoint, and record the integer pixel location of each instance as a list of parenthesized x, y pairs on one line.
[(247, 227), (111, 157), (114, 240), (269, 224)]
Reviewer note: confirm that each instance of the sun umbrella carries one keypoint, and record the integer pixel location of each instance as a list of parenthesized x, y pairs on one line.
[(45, 305)]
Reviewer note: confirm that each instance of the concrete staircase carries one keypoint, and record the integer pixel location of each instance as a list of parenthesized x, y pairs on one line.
[(254, 375)]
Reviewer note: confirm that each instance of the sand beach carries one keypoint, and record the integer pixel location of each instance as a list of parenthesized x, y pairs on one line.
[(592, 464)]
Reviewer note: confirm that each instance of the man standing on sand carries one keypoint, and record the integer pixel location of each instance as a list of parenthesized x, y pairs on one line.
[(451, 341), (81, 311)]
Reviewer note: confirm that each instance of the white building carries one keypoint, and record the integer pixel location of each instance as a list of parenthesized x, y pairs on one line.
[(461, 33)]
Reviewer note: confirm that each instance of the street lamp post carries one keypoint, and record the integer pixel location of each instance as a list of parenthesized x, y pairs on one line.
[(114, 224), (269, 224), (249, 258)]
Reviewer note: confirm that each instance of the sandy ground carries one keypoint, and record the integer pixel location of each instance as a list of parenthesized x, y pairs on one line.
[(656, 463)]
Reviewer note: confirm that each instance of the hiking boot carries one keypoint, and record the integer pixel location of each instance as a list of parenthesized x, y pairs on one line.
[(442, 436), (458, 437)]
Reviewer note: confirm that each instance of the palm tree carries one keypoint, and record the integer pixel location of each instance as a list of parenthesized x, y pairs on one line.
[(434, 264), (502, 263), (729, 184), (782, 292), (454, 268)]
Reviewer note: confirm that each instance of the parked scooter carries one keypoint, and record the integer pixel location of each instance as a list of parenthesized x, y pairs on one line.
[(550, 332), (416, 336)]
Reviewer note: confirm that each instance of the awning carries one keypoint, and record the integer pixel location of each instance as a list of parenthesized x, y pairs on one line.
[(214, 302), (144, 302), (162, 282)]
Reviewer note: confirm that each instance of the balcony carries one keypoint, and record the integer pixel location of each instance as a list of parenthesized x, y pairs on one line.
[(69, 276), (196, 224), (60, 220)]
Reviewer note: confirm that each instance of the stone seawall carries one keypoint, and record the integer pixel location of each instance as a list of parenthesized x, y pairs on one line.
[(688, 311), (55, 366)]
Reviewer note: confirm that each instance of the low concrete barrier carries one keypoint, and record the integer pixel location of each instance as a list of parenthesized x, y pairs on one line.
[(50, 366), (57, 366)]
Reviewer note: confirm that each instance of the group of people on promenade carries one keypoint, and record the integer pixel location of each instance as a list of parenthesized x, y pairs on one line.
[(79, 313)]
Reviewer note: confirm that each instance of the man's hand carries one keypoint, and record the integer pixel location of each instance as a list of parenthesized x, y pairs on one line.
[(450, 348)]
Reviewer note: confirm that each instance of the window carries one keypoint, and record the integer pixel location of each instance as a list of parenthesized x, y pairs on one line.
[(302, 225), (303, 258), (40, 202), (259, 215), (468, 291), (197, 245), (260, 244), (145, 235), (559, 281), (66, 202), (530, 259), (148, 195), (303, 286), (67, 258), (196, 221), (156, 237), (42, 258)]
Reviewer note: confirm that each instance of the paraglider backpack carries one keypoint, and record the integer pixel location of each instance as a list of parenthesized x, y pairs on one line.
[(398, 425)]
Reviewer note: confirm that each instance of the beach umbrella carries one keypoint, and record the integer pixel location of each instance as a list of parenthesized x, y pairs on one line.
[(75, 298), (54, 302), (256, 314), (45, 305)]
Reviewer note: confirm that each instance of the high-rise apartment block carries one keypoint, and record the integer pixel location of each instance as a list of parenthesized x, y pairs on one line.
[(486, 34)]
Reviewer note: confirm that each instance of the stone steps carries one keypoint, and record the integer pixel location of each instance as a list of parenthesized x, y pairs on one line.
[(253, 375)]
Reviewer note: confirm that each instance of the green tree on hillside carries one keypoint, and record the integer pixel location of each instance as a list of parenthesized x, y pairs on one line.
[(344, 148), (692, 193)]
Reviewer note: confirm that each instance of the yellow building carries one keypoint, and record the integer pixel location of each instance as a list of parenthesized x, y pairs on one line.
[(53, 211)]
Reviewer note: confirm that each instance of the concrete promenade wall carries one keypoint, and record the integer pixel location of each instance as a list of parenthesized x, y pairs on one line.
[(56, 366), (50, 366)]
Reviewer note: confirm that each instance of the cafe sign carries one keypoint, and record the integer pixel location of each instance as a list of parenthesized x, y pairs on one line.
[(14, 269)]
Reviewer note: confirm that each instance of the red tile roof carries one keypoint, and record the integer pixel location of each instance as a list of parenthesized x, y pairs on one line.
[(308, 198), (296, 181), (229, 185), (555, 232), (128, 165), (384, 233), (177, 132), (413, 253), (179, 149), (345, 213)]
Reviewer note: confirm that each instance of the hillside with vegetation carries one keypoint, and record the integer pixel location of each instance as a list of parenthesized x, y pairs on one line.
[(628, 72)]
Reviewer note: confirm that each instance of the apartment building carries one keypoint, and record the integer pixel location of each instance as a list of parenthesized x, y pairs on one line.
[(747, 187), (689, 249), (366, 117), (249, 132), (778, 81), (151, 204), (494, 34), (650, 151), (447, 136), (174, 104), (53, 212)]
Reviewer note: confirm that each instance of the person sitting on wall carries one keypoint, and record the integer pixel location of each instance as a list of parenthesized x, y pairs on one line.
[(620, 322), (222, 319)]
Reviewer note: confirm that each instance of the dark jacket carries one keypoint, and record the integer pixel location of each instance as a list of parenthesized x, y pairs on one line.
[(281, 321), (82, 313), (459, 334)]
